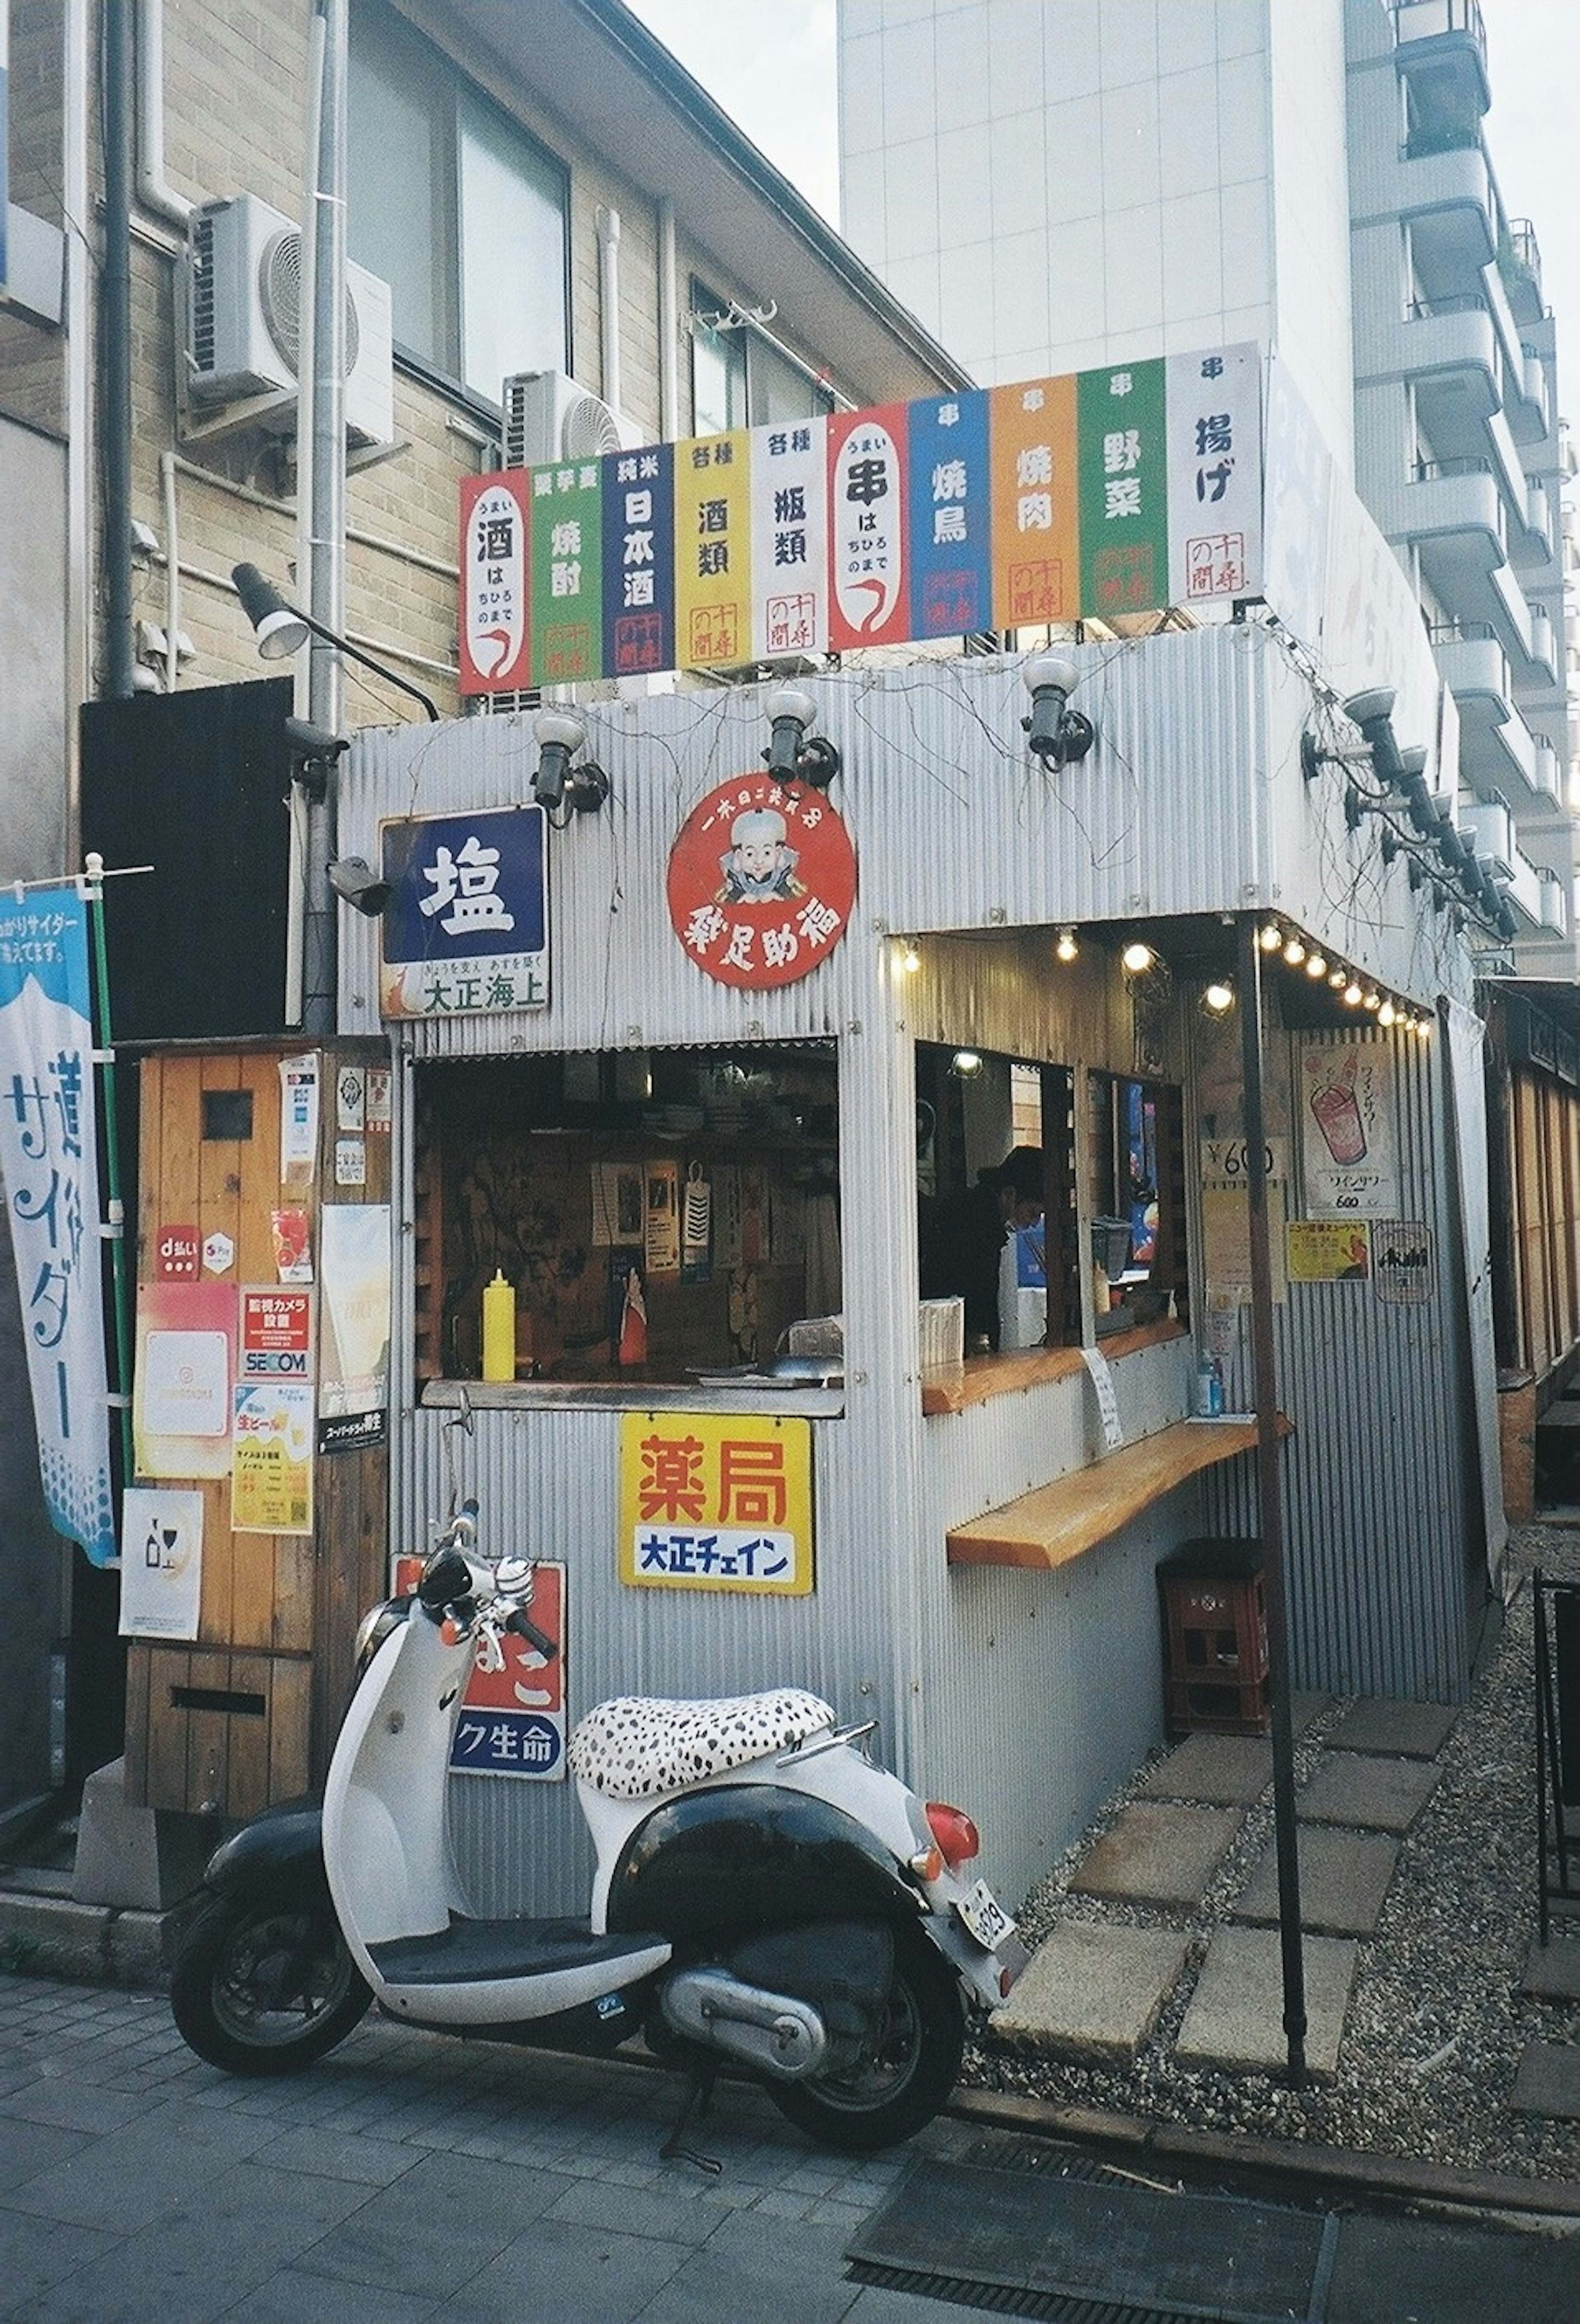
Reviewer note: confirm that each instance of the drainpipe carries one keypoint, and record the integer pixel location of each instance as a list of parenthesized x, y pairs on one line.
[(80, 416), (154, 193), (116, 366), (608, 222), (669, 328)]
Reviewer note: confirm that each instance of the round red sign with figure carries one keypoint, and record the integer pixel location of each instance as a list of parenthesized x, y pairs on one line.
[(761, 881)]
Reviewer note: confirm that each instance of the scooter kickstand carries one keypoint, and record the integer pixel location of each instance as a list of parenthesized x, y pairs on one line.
[(698, 2102)]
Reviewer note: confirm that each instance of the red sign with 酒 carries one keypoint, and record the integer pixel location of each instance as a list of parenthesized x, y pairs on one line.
[(761, 881)]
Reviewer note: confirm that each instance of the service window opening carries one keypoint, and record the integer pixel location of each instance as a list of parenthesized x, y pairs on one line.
[(659, 1215)]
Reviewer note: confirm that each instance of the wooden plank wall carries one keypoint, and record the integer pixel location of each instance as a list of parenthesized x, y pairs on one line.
[(248, 1714), (1544, 1133)]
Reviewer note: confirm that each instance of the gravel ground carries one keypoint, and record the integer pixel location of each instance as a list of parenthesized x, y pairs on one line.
[(1437, 2021)]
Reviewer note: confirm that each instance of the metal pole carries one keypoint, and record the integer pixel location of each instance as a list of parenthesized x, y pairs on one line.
[(121, 1303), (1269, 1499), (115, 367)]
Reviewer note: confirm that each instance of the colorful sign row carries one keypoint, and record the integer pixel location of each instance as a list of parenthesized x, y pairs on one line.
[(1094, 494)]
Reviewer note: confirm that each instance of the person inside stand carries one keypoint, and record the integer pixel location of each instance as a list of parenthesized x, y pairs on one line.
[(963, 1240)]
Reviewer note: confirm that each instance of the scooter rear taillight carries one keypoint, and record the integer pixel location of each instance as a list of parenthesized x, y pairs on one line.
[(954, 1832)]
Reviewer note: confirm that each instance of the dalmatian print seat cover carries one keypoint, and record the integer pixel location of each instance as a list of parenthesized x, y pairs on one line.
[(635, 1746)]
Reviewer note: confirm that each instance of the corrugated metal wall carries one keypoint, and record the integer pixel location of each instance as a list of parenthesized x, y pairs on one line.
[(1027, 1695)]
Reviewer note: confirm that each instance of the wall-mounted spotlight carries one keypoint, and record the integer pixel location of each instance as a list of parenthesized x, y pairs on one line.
[(313, 752), (557, 784), (1067, 949), (794, 753), (1372, 713), (966, 1063), (282, 630), (1058, 734), (353, 878)]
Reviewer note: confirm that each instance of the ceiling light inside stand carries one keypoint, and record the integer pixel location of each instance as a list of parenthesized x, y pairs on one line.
[(1137, 958), (1218, 998), (1057, 735)]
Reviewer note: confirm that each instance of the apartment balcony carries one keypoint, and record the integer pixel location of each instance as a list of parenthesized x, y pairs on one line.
[(1451, 512), (1545, 663), (1447, 349), (1531, 544), (1450, 201), (1519, 264), (1529, 404), (1553, 905), (1549, 772), (1489, 828), (1440, 53)]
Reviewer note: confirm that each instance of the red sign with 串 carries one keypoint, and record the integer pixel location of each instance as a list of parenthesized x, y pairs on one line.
[(761, 881), (175, 1254)]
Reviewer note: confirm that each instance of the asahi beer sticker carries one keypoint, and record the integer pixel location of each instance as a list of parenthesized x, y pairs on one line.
[(761, 881)]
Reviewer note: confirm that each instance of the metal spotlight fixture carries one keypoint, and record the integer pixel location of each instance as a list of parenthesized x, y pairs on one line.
[(557, 784), (282, 630), (794, 753), (1058, 734), (313, 752), (353, 879), (1372, 712)]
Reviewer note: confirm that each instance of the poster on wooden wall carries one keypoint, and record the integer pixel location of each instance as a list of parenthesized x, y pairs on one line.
[(162, 1563), (181, 1387)]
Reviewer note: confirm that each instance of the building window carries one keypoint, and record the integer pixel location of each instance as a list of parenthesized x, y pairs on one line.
[(738, 378), (460, 212)]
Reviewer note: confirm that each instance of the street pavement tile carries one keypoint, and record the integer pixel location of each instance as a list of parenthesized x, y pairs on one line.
[(1224, 1770), (1235, 2017), (677, 2216), (1157, 1855), (563, 2273), (1377, 1795), (1343, 1880), (334, 2154), (1548, 2081), (1398, 1730), (26, 2148), (1091, 1991), (37, 2253), (135, 2173), (71, 2105), (1552, 1970), (771, 2271), (1389, 2268), (435, 2228), (291, 2297)]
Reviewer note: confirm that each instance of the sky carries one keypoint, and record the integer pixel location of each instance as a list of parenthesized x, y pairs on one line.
[(780, 82)]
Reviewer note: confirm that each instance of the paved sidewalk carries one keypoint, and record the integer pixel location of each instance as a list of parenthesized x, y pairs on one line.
[(405, 2177)]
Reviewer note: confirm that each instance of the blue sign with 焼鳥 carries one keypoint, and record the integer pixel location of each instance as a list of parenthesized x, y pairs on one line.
[(49, 1169), (466, 933), (951, 495)]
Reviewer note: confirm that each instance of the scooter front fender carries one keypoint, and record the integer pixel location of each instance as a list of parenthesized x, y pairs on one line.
[(276, 1859)]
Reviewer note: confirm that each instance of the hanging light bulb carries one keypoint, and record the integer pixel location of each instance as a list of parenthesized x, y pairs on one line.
[(1137, 958), (1338, 978), (1371, 1001), (1316, 965), (1218, 998), (1424, 1029), (1067, 948), (1271, 937), (909, 959), (1353, 996), (1294, 952), (1387, 1014)]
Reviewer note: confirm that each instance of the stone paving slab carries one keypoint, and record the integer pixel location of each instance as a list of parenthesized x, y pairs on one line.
[(1344, 1879), (1093, 1990), (1395, 1731), (1159, 1855), (1235, 2017), (1377, 1795), (1306, 1708), (1552, 1972), (1224, 1770), (1548, 2081)]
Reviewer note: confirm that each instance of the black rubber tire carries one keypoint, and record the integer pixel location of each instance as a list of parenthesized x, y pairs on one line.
[(911, 2072), (265, 1989)]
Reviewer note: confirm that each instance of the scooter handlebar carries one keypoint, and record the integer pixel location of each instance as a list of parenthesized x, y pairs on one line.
[(524, 1626)]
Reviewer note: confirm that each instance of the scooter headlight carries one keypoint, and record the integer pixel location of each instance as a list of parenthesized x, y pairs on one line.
[(374, 1627)]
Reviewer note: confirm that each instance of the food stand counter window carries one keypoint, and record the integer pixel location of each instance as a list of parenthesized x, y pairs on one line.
[(661, 1216)]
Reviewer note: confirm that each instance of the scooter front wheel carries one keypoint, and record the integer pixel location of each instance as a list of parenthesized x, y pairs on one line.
[(903, 2077), (265, 1989)]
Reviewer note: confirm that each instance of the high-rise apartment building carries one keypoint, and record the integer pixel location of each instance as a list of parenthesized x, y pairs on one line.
[(1053, 185)]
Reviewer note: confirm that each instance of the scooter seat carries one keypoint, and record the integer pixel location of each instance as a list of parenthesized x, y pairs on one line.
[(635, 1746)]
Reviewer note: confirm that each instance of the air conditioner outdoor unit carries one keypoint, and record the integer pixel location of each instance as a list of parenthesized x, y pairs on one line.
[(549, 416), (243, 321)]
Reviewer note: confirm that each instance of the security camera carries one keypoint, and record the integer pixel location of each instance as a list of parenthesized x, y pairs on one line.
[(355, 882), (313, 752)]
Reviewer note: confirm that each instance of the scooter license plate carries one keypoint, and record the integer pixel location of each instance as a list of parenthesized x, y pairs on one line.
[(985, 1916)]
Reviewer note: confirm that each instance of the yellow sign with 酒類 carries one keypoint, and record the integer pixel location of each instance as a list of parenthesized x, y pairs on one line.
[(716, 1501)]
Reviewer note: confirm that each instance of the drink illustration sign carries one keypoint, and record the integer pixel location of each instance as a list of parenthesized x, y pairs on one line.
[(1348, 1148)]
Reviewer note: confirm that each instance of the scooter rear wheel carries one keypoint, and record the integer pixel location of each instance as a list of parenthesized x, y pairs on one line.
[(265, 1989), (904, 2077)]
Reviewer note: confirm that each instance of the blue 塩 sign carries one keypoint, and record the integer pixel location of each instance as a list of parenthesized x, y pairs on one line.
[(466, 930)]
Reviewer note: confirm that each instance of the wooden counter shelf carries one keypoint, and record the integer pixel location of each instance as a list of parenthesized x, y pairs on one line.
[(1058, 1523), (951, 1387)]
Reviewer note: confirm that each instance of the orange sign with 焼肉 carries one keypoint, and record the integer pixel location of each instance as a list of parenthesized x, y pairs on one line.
[(1035, 520)]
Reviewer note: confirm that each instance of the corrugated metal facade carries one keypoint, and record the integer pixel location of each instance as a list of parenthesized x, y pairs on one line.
[(1024, 1695)]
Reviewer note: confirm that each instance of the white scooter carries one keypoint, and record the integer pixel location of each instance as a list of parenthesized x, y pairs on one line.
[(765, 1896)]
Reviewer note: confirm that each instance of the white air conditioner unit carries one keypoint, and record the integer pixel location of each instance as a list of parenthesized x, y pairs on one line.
[(1490, 827), (549, 416), (243, 321)]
